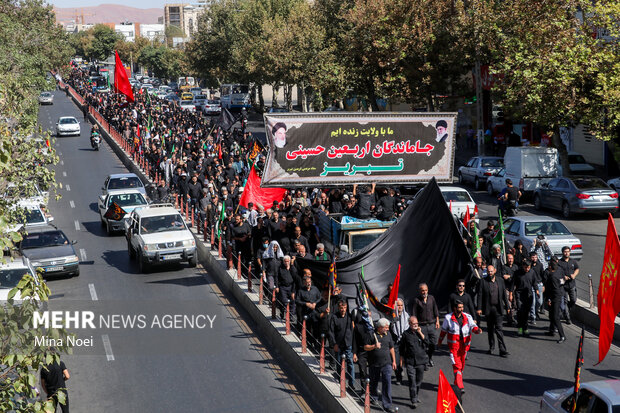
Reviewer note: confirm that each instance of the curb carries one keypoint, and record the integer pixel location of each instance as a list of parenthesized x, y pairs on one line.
[(589, 316)]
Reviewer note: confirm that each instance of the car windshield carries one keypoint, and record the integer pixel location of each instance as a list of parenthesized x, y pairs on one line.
[(46, 94), (44, 239), (362, 240), (200, 97), (164, 223), (34, 216), (456, 196), (590, 183), (492, 163), (67, 121), (127, 182), (546, 228), (576, 159), (10, 277), (127, 199), (187, 102)]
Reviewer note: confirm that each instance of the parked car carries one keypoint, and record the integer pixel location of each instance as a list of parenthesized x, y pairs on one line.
[(123, 181), (172, 98), (601, 396), (496, 182), (187, 96), (199, 102), (527, 228), (11, 272), (46, 98), (128, 199), (212, 107), (67, 125), (48, 248), (576, 194), (478, 169)]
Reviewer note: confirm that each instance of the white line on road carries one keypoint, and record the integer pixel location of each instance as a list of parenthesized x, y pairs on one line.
[(77, 225), (108, 347), (67, 187), (72, 204), (93, 293), (62, 162), (64, 173), (83, 254)]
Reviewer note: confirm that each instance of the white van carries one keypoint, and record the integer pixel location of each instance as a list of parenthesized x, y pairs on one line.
[(529, 167)]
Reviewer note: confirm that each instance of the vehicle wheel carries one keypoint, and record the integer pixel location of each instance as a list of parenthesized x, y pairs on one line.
[(108, 229), (132, 254), (477, 184), (193, 261), (461, 181), (490, 188), (537, 203), (102, 221), (566, 210), (77, 273), (144, 266)]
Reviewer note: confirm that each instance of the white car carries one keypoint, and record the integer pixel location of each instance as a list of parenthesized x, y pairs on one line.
[(527, 228), (122, 181), (157, 234), (614, 183), (496, 182), (128, 199), (199, 101), (11, 273), (594, 397), (188, 105), (33, 215), (459, 200), (212, 107), (46, 98), (67, 125)]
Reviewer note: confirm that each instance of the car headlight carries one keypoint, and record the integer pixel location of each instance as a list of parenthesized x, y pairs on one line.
[(189, 243), (35, 264), (150, 247), (73, 258)]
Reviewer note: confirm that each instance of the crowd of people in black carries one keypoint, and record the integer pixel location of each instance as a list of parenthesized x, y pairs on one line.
[(205, 165)]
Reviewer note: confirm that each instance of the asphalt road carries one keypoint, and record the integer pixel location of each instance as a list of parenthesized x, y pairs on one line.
[(226, 368)]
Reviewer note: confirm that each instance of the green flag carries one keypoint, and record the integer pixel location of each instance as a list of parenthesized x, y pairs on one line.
[(220, 221), (475, 252), (499, 235)]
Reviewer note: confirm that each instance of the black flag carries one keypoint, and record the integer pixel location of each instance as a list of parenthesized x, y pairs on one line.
[(226, 119), (578, 364), (115, 212)]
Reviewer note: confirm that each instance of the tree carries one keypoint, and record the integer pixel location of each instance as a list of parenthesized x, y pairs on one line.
[(554, 72), (126, 50), (103, 41), (162, 61), (30, 44), (171, 32)]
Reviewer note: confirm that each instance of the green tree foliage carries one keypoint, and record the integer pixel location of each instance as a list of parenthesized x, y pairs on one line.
[(103, 41), (555, 72), (128, 49), (162, 61), (30, 44)]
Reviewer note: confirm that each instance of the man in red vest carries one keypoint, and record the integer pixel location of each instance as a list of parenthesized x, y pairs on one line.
[(458, 327)]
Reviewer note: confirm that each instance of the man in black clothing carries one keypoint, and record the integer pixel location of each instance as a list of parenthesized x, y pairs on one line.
[(194, 190), (240, 234), (462, 296), (426, 311), (365, 201), (413, 357), (340, 335), (537, 302), (286, 283), (306, 299), (555, 293), (570, 271), (386, 206), (297, 236), (507, 272), (363, 332), (492, 302), (524, 282), (53, 381), (489, 232), (382, 363), (510, 196)]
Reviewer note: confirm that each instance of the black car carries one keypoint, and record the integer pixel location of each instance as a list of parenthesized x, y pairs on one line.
[(48, 248)]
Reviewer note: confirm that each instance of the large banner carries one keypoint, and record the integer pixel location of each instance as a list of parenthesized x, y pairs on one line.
[(343, 148)]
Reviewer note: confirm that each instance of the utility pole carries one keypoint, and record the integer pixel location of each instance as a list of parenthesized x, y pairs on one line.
[(131, 62), (479, 109)]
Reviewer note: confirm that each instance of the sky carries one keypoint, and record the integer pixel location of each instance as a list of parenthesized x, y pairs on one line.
[(140, 4)]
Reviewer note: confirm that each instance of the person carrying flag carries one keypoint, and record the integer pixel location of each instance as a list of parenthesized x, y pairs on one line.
[(458, 326), (340, 336)]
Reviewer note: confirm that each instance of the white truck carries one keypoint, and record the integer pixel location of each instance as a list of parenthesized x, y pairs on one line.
[(157, 234), (529, 167)]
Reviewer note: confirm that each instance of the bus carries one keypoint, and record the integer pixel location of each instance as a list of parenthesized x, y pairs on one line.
[(235, 96), (185, 83)]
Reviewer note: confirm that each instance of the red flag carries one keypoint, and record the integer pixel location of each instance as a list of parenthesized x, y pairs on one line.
[(466, 219), (394, 292), (450, 205), (446, 398), (121, 82), (475, 211), (608, 297), (257, 195), (332, 274)]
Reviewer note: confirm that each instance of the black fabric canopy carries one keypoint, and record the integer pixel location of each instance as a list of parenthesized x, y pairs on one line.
[(424, 241)]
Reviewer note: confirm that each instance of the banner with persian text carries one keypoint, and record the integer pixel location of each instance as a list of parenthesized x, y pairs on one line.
[(345, 148)]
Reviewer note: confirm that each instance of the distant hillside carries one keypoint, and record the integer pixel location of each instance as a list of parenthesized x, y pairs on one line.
[(108, 13)]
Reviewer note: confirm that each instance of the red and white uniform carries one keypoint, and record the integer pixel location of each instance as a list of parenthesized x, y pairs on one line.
[(459, 339)]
